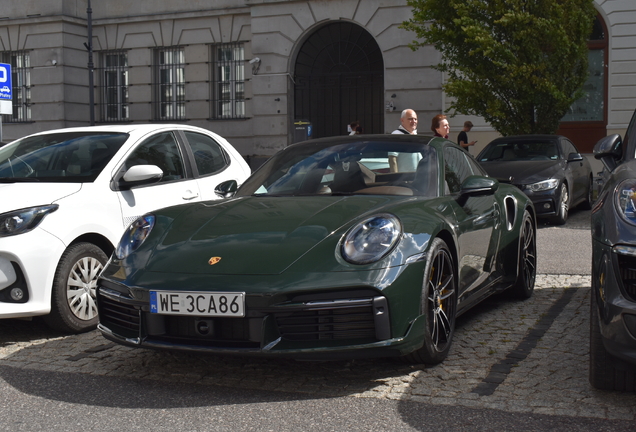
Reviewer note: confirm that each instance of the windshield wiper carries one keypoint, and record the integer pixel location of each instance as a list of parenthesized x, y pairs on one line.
[(18, 180)]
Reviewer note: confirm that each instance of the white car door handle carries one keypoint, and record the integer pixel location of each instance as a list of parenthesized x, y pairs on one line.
[(189, 195)]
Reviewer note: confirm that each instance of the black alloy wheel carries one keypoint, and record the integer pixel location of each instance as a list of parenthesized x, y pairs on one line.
[(438, 305), (527, 267)]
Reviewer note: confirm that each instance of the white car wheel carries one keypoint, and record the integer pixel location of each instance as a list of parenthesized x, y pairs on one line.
[(73, 305)]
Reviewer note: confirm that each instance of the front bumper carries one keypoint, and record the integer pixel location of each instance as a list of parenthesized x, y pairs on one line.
[(614, 282), (349, 321), (546, 203), (28, 262)]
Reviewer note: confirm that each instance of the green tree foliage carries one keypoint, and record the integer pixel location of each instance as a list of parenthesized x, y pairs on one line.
[(519, 64)]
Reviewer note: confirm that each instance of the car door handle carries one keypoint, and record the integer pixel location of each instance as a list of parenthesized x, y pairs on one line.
[(189, 195)]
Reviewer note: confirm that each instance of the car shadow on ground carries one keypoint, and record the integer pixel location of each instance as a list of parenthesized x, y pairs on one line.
[(69, 368), (577, 219)]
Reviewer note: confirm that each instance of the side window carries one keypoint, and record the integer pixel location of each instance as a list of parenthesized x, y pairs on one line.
[(475, 167), (568, 148), (456, 169), (161, 150), (209, 156)]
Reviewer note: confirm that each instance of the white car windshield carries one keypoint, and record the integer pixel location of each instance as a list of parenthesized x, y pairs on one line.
[(60, 157)]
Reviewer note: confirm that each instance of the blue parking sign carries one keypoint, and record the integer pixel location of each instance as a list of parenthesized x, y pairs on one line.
[(5, 82)]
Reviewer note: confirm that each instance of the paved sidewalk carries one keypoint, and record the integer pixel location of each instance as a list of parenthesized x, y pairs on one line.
[(515, 356)]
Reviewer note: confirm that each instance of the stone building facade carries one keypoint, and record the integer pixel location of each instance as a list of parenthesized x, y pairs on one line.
[(262, 73)]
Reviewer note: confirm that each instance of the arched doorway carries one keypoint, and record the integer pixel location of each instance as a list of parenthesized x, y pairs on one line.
[(339, 78), (586, 122)]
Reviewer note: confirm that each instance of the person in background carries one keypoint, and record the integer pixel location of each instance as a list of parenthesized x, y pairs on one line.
[(408, 126), (440, 126), (462, 138), (408, 123), (353, 126)]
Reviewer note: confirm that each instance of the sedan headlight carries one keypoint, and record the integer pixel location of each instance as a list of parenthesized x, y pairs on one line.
[(543, 185), (22, 221), (371, 239), (626, 200), (134, 236)]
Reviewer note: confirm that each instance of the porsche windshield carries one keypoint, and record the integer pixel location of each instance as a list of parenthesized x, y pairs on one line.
[(347, 168), (59, 157)]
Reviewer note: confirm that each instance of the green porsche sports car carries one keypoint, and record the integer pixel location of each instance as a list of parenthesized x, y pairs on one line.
[(342, 247)]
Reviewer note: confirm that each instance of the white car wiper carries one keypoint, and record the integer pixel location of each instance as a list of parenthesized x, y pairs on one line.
[(18, 179)]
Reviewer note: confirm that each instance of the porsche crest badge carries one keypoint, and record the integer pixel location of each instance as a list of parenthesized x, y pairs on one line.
[(214, 260)]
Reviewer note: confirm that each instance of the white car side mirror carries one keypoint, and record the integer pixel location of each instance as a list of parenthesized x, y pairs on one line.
[(143, 172)]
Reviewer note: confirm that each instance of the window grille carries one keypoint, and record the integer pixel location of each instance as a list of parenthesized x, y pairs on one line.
[(21, 85), (169, 84), (114, 86), (228, 81)]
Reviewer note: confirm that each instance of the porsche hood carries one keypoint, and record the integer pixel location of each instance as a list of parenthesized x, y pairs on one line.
[(254, 235)]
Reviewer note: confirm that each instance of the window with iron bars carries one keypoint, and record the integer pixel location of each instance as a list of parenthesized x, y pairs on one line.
[(169, 84), (21, 85), (114, 86), (228, 81)]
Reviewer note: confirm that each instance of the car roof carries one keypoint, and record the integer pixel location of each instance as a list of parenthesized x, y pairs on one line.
[(122, 128)]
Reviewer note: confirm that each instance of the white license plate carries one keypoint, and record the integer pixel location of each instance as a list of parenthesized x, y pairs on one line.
[(227, 304)]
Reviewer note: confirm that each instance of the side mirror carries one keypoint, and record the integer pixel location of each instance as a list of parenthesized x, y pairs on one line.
[(609, 150), (138, 175), (575, 157), (227, 189), (477, 186)]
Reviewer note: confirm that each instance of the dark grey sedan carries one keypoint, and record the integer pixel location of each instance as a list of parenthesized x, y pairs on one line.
[(547, 168)]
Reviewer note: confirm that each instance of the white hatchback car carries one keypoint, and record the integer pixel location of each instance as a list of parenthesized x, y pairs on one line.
[(68, 194)]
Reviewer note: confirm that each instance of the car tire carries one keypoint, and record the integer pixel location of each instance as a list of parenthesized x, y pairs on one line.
[(563, 205), (527, 264), (603, 373), (438, 305), (589, 198), (73, 306)]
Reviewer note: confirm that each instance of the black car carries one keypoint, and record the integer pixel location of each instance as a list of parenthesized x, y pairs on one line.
[(547, 168), (613, 293)]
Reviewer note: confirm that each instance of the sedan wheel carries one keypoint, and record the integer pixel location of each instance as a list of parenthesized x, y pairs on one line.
[(564, 205), (73, 306), (439, 305), (527, 267)]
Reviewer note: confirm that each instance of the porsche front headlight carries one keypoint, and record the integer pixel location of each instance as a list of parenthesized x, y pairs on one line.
[(371, 239), (626, 200), (543, 185), (24, 220), (134, 236)]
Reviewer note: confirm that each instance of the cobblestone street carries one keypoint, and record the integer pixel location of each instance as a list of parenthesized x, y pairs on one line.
[(516, 356)]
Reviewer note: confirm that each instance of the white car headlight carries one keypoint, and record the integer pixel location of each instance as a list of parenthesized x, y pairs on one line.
[(543, 185), (134, 236), (371, 239), (24, 220), (625, 198)]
